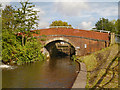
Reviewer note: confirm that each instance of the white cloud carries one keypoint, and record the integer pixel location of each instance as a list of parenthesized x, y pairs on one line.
[(92, 19), (83, 9), (71, 8), (106, 11), (43, 24), (4, 4), (85, 25), (41, 12), (7, 2)]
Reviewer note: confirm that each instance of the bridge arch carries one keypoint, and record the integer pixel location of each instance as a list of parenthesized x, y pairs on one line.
[(60, 39)]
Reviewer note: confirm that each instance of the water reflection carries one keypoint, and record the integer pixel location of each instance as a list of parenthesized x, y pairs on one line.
[(55, 73)]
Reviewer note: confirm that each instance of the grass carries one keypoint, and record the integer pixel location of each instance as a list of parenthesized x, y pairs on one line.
[(102, 67)]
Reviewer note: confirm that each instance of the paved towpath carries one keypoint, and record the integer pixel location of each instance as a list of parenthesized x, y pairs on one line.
[(80, 81)]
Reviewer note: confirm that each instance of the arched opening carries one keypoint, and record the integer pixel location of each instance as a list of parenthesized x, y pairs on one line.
[(58, 48)]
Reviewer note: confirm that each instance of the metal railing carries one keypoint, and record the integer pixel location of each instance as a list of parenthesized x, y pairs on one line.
[(102, 31)]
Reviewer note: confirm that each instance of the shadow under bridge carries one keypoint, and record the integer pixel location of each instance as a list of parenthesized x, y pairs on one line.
[(60, 48)]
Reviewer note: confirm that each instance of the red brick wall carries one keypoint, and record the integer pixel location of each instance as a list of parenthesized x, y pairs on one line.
[(92, 45)]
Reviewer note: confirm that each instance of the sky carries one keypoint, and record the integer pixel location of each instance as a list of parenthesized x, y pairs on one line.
[(81, 14)]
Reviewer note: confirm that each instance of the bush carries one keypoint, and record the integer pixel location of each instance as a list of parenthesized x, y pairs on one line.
[(14, 52)]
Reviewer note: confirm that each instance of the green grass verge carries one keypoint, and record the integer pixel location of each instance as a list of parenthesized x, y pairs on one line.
[(102, 67)]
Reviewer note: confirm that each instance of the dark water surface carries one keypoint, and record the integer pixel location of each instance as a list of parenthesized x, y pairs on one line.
[(53, 73)]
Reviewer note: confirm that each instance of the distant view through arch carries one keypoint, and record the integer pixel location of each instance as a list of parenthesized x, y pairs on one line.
[(59, 47)]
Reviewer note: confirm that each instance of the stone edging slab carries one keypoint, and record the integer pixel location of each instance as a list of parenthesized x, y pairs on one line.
[(80, 81)]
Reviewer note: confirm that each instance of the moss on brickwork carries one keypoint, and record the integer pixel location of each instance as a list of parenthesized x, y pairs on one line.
[(102, 67)]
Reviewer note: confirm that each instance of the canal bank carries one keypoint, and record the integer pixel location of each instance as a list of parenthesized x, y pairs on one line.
[(102, 68), (80, 81)]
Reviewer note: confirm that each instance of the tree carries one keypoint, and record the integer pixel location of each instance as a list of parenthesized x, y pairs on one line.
[(26, 18), (117, 26), (21, 20), (105, 24), (8, 35), (8, 18), (60, 23)]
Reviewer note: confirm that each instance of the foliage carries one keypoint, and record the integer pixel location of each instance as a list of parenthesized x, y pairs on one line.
[(105, 24), (8, 18), (20, 48), (26, 19), (43, 39), (60, 23), (74, 57), (117, 25), (30, 52), (9, 45), (13, 52)]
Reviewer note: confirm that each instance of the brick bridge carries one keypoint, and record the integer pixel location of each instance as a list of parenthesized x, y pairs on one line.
[(83, 42)]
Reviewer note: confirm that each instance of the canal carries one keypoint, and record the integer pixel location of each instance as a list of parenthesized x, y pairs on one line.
[(57, 72)]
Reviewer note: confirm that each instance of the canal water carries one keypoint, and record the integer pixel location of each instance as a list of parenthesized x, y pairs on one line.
[(53, 73)]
